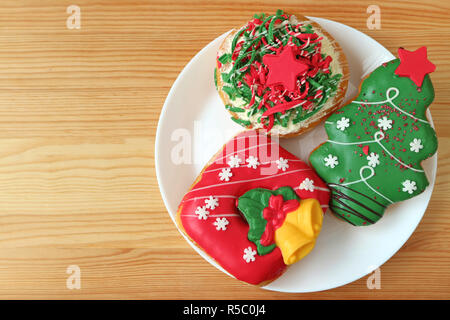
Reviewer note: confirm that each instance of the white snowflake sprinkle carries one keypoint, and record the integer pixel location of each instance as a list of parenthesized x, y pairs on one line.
[(249, 255), (307, 184), (234, 161), (252, 162), (211, 203), (202, 213), (343, 123), (385, 123), (282, 164), (331, 161), (373, 159), (225, 174), (221, 224), (416, 145), (409, 186)]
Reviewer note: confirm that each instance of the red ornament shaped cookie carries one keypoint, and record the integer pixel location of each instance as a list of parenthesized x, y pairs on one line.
[(255, 208)]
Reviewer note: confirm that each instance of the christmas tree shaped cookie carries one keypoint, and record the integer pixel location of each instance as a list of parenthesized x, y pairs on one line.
[(375, 145)]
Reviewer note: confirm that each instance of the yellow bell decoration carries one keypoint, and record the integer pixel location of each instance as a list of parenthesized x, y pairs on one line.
[(297, 235)]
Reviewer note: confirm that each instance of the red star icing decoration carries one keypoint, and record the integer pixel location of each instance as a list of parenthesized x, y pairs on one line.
[(284, 68), (414, 65)]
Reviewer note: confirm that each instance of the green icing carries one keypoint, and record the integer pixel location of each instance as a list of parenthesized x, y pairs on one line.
[(225, 58), (252, 204), (215, 77), (351, 198), (234, 109), (244, 123)]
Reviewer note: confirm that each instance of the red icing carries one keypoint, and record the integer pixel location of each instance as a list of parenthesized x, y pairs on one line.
[(284, 68), (281, 107), (275, 214), (366, 150), (227, 246), (414, 64)]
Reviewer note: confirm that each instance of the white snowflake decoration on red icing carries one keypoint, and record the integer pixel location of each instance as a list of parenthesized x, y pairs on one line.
[(211, 203), (282, 164), (307, 184), (234, 161), (225, 174), (221, 224), (252, 162), (202, 213), (249, 255)]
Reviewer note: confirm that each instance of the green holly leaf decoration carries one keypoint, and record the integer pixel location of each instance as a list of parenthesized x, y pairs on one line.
[(252, 204)]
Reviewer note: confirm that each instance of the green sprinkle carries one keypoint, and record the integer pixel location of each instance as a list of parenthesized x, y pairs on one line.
[(225, 58), (285, 119), (234, 109), (252, 112), (225, 77), (244, 123), (263, 25), (270, 30), (252, 58), (243, 54), (313, 83), (303, 114), (309, 29), (246, 92), (235, 39), (230, 92)]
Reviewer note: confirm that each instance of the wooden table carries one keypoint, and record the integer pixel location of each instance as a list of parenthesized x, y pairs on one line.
[(78, 115)]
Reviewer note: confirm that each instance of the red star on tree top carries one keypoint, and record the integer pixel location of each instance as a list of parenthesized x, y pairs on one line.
[(414, 65), (284, 68)]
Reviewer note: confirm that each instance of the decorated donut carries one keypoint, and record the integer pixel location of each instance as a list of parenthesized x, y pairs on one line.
[(255, 208), (282, 73), (376, 143)]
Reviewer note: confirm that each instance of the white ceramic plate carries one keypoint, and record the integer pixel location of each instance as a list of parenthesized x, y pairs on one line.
[(194, 125)]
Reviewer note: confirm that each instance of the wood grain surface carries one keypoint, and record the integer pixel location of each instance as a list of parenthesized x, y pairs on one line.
[(78, 115)]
